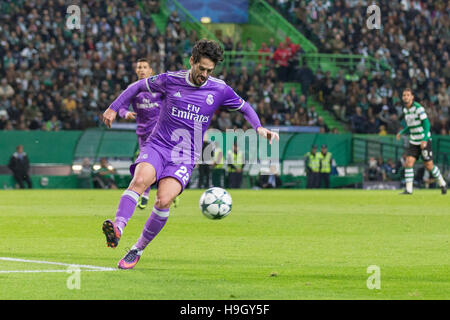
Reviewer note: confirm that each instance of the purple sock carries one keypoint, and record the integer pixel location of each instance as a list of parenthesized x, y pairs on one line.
[(152, 227), (126, 208)]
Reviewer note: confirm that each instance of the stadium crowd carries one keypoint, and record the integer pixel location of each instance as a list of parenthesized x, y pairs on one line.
[(57, 79), (53, 78), (413, 41)]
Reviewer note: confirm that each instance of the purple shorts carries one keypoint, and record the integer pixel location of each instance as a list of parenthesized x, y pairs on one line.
[(160, 159)]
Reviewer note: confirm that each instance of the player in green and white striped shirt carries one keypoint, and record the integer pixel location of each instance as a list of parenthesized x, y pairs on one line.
[(418, 128)]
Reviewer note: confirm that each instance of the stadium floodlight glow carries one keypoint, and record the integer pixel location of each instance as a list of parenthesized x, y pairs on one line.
[(205, 20), (96, 167), (77, 167)]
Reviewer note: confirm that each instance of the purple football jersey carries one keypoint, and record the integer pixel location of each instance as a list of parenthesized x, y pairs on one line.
[(186, 109), (147, 106), (189, 107)]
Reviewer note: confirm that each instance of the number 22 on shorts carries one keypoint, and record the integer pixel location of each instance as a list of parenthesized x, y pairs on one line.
[(182, 174)]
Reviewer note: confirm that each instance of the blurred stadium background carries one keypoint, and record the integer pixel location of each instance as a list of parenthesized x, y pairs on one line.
[(311, 69)]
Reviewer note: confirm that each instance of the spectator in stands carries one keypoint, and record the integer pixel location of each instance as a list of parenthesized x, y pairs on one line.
[(224, 121), (372, 126), (338, 97), (265, 50), (337, 45), (85, 177), (358, 121), (389, 169), (3, 119), (66, 64), (228, 43), (250, 45), (293, 60), (53, 124), (424, 179), (104, 177), (417, 56), (281, 58), (154, 6), (313, 117), (302, 102), (19, 164), (270, 180), (384, 115), (6, 91), (374, 172), (302, 116), (292, 94), (323, 126), (174, 19), (305, 76), (271, 45), (393, 126), (382, 131)]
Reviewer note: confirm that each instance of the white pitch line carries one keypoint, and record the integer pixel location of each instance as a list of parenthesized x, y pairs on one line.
[(48, 271), (93, 268)]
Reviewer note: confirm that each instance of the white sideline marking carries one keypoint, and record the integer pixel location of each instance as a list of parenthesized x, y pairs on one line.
[(48, 271), (88, 267)]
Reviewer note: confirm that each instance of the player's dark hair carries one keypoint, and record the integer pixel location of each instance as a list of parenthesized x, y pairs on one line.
[(409, 90), (144, 60), (210, 49)]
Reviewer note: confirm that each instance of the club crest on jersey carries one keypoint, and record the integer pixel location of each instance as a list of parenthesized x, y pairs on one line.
[(210, 99), (153, 78)]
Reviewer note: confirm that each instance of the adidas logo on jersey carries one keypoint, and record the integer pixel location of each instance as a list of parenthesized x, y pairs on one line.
[(177, 94)]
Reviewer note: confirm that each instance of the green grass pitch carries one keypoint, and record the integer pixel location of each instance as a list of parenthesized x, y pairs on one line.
[(275, 244)]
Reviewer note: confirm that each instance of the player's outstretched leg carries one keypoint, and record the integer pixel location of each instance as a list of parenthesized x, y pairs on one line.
[(168, 189), (152, 227), (113, 230), (144, 176), (436, 173), (112, 233), (130, 259), (409, 180)]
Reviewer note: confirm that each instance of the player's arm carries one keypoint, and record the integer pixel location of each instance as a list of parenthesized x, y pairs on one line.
[(152, 84), (426, 127), (123, 101), (125, 113), (235, 103), (252, 117), (426, 130), (405, 130)]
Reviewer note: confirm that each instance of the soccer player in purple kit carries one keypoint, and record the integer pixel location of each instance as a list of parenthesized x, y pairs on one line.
[(190, 98), (146, 108)]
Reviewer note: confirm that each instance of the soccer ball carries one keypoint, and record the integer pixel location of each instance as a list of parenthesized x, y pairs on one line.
[(215, 203)]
